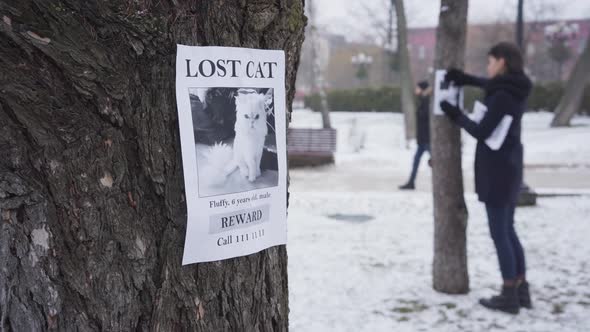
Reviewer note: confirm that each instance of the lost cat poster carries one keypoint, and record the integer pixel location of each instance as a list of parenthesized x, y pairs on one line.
[(231, 113)]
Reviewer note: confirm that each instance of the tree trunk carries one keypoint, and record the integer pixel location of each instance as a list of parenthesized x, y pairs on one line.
[(520, 25), (318, 77), (574, 90), (92, 211), (449, 270), (406, 81)]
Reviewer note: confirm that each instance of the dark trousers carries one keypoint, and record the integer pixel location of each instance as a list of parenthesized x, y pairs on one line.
[(508, 247), (419, 152)]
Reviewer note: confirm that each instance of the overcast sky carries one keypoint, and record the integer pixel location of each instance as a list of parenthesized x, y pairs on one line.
[(347, 15)]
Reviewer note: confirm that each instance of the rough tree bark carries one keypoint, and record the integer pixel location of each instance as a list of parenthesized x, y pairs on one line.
[(449, 270), (574, 90), (406, 81), (93, 217)]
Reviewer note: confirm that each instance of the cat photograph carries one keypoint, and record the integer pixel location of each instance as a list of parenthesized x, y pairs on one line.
[(235, 139)]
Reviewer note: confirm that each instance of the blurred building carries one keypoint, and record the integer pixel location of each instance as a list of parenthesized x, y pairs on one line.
[(341, 73), (338, 68), (480, 37)]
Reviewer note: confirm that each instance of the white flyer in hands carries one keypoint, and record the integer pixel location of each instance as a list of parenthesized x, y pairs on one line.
[(231, 114), (445, 91), (498, 136)]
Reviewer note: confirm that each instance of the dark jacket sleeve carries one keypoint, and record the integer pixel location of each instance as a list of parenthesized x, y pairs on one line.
[(498, 105), (479, 82)]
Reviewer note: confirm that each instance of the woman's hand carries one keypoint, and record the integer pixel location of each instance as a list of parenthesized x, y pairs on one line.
[(456, 76), (453, 112)]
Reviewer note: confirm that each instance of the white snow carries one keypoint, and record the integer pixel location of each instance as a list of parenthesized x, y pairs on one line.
[(376, 275), (106, 180), (40, 237)]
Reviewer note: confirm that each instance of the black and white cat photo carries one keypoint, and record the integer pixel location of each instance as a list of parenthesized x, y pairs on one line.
[(235, 139)]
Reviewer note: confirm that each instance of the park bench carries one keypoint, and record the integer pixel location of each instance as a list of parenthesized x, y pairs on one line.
[(311, 147)]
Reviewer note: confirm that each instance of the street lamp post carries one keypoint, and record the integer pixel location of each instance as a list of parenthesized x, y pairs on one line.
[(362, 62), (558, 37)]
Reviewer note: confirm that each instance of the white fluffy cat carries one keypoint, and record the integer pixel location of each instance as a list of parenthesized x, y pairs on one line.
[(251, 132)]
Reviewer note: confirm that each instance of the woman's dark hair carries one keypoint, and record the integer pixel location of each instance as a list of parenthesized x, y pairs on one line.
[(511, 55)]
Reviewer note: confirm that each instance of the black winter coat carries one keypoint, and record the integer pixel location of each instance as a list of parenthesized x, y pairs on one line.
[(423, 120), (498, 174)]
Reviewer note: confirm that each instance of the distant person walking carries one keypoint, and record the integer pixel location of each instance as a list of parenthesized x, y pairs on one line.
[(422, 93), (498, 173)]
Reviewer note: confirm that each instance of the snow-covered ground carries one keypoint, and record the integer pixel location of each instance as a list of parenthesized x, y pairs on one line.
[(373, 273)]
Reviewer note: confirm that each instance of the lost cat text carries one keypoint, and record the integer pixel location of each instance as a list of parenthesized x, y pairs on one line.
[(230, 68)]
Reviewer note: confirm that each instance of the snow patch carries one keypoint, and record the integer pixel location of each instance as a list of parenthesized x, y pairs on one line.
[(377, 275), (33, 256), (106, 180), (53, 165), (40, 237), (140, 245), (7, 20), (39, 39)]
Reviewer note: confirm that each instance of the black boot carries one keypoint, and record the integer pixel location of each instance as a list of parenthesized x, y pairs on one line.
[(507, 301), (524, 296), (407, 186)]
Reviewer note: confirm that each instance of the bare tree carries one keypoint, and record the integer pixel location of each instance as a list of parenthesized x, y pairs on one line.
[(378, 17), (318, 76), (574, 90), (382, 32), (538, 12), (449, 268), (92, 213), (539, 62), (406, 81), (559, 52)]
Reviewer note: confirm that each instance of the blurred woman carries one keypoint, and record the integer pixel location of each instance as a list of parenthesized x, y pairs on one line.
[(498, 173)]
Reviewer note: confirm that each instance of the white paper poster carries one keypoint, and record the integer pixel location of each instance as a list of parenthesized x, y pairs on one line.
[(231, 113), (445, 91), (498, 136)]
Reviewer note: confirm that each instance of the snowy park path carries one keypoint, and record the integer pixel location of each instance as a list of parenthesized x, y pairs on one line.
[(373, 272)]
